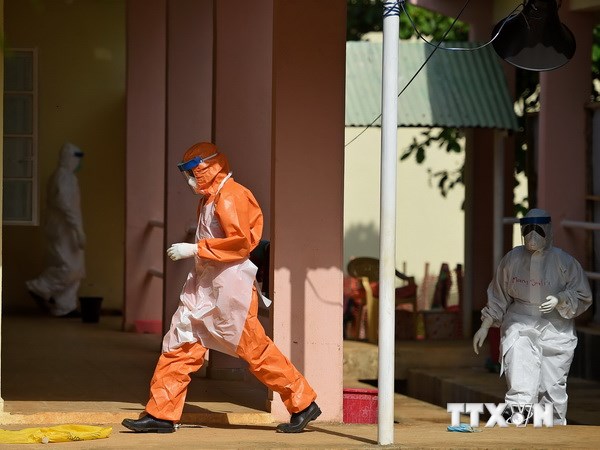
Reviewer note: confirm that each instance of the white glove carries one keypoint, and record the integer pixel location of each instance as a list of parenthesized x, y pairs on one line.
[(182, 250), (481, 334), (548, 306)]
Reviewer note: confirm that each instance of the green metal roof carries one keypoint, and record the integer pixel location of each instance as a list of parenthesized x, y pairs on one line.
[(462, 89)]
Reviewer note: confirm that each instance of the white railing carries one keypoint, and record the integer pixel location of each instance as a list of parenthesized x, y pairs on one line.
[(156, 273), (510, 220), (583, 225), (156, 223)]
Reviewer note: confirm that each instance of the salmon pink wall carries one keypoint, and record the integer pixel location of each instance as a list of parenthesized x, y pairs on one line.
[(146, 82), (307, 209), (562, 138), (189, 120), (243, 82), (169, 109)]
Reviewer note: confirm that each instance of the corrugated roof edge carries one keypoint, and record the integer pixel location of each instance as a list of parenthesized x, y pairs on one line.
[(473, 82)]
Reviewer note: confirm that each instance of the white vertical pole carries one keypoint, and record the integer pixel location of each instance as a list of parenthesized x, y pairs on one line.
[(387, 237)]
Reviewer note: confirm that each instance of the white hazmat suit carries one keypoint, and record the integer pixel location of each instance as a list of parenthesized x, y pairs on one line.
[(58, 284), (536, 292)]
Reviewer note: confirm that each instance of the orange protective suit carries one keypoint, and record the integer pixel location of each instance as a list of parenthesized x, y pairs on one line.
[(219, 301)]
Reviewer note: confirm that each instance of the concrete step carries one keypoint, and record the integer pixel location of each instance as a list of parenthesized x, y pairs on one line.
[(99, 414), (440, 372), (441, 386), (361, 358)]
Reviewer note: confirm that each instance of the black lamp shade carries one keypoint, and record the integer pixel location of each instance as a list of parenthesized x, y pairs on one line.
[(534, 39)]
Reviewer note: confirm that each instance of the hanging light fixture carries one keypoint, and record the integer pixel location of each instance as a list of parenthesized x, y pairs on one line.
[(534, 39)]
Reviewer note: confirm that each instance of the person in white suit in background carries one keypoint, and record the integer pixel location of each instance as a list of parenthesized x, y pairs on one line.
[(535, 294), (56, 288)]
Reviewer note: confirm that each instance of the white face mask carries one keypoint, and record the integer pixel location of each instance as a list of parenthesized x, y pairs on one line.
[(534, 242), (192, 184)]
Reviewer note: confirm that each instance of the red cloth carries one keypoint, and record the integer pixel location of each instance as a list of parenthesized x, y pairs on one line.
[(353, 288), (410, 290)]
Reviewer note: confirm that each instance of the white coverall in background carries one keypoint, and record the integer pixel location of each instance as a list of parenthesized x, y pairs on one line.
[(58, 284), (536, 292)]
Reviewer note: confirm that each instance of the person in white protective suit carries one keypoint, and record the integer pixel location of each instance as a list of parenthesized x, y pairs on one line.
[(535, 294), (56, 288), (219, 302)]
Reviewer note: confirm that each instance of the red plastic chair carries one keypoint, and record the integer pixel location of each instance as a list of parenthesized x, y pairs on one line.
[(366, 270)]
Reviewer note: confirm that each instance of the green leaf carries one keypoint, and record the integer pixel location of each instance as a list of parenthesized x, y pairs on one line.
[(420, 155)]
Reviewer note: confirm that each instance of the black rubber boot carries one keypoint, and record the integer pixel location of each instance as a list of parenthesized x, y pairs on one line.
[(149, 424), (299, 420)]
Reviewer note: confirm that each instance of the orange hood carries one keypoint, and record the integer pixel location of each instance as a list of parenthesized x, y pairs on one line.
[(208, 174)]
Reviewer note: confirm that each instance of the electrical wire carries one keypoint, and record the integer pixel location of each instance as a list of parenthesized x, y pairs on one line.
[(514, 13)]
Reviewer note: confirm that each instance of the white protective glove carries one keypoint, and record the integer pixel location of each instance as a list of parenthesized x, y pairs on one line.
[(182, 250), (481, 334), (549, 305)]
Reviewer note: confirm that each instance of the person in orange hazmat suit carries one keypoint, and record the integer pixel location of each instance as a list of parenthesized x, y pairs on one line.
[(219, 302)]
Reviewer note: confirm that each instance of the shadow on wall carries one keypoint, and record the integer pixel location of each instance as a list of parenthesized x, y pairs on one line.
[(361, 240)]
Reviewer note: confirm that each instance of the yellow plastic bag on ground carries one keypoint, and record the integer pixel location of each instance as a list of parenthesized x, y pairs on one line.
[(58, 433)]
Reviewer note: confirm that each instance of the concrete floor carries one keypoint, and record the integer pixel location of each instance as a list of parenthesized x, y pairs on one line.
[(93, 372), (59, 371)]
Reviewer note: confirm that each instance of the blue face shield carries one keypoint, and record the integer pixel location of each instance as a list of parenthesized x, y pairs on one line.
[(533, 232), (187, 168)]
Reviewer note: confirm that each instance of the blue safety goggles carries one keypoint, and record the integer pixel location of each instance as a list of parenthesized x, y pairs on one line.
[(187, 167)]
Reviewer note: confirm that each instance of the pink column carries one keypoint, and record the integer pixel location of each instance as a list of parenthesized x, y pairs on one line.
[(562, 137), (243, 94), (479, 225), (242, 114), (146, 50), (307, 207), (189, 120), (169, 107)]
